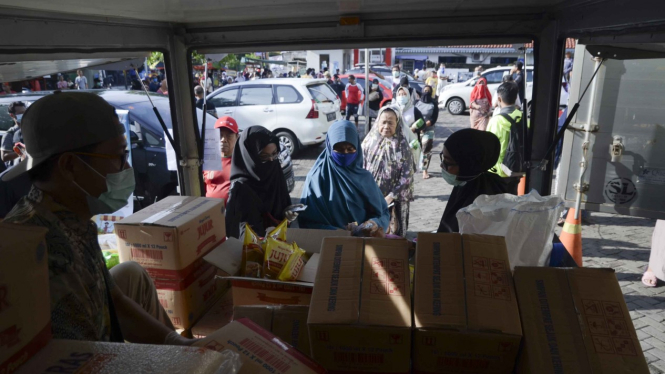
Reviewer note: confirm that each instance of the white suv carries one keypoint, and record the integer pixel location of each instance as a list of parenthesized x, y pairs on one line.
[(455, 97), (298, 110)]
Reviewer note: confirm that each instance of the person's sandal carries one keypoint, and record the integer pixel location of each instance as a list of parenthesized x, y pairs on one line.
[(649, 279)]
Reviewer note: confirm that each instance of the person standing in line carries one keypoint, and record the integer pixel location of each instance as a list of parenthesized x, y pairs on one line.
[(388, 156), (163, 89), (467, 156), (354, 96), (430, 112), (500, 126), (81, 81), (62, 84), (495, 97), (568, 66), (433, 82), (327, 76), (480, 103), (218, 182), (518, 77), (396, 76), (478, 71), (338, 190), (199, 94), (375, 98), (258, 195)]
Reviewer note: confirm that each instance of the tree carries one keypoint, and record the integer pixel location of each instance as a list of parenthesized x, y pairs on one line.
[(230, 60), (155, 57)]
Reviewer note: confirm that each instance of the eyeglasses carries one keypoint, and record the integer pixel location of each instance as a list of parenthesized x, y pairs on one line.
[(264, 157), (444, 164), (123, 157)]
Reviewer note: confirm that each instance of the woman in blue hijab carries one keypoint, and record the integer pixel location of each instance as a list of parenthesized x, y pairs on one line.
[(338, 190)]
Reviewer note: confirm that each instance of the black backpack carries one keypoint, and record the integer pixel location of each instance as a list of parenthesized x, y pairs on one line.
[(513, 161)]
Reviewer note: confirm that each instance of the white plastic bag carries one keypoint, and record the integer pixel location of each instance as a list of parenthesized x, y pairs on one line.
[(232, 363), (527, 222)]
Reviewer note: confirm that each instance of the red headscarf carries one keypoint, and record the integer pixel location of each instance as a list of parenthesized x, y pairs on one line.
[(480, 91)]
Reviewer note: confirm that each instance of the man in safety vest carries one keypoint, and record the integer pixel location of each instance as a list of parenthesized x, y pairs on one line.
[(500, 126)]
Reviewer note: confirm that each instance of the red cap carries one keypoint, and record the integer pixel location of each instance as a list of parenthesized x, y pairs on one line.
[(228, 123)]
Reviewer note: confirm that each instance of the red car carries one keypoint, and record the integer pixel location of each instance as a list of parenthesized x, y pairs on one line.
[(385, 86)]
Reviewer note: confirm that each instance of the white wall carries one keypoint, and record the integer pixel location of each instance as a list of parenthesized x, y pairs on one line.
[(336, 55)]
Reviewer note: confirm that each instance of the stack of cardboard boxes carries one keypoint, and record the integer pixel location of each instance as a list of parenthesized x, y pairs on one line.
[(466, 312), (169, 239)]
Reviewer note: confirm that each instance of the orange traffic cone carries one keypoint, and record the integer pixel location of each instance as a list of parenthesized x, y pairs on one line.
[(571, 236), (521, 188)]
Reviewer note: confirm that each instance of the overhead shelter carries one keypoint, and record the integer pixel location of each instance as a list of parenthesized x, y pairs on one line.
[(42, 29)]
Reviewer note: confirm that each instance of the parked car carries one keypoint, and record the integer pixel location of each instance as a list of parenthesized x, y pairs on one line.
[(154, 180), (299, 111), (455, 97), (360, 79)]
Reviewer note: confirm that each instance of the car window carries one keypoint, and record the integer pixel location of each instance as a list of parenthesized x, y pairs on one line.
[(153, 140), (322, 93), (287, 95), (494, 77), (256, 96), (225, 98), (6, 122)]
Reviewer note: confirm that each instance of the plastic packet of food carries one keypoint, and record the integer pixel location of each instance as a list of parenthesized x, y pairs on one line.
[(293, 266), (252, 255), (279, 232), (276, 256), (111, 258)]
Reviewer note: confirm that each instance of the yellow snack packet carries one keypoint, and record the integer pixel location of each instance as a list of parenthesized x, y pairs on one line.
[(293, 266), (252, 255), (276, 256), (279, 232)]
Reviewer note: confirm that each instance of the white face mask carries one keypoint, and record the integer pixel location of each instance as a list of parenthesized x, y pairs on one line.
[(375, 86), (402, 100), (396, 74), (19, 117), (119, 188), (451, 179)]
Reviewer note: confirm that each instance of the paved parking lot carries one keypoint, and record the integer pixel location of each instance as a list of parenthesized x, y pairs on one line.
[(618, 242)]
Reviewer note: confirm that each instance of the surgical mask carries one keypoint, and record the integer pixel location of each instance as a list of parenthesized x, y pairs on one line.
[(18, 118), (375, 86), (396, 74), (402, 100), (344, 159), (451, 179), (119, 187)]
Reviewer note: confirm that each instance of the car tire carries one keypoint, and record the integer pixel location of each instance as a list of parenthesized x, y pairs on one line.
[(455, 106), (289, 141)]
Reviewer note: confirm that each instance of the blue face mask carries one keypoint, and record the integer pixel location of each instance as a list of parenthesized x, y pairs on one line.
[(344, 159), (451, 179)]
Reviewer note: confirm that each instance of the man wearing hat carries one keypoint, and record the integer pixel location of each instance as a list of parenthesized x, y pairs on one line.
[(77, 163), (219, 182)]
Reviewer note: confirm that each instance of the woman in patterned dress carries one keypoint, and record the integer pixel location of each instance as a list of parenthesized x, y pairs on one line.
[(388, 156)]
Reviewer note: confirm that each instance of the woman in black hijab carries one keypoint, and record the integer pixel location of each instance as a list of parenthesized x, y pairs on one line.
[(258, 193), (466, 158)]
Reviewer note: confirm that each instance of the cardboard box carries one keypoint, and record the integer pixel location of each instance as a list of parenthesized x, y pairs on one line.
[(260, 351), (253, 291), (169, 236), (360, 315), (287, 322), (575, 321), (25, 302), (465, 312), (187, 300), (69, 356), (219, 315)]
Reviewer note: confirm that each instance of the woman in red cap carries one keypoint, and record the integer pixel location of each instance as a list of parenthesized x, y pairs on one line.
[(218, 182)]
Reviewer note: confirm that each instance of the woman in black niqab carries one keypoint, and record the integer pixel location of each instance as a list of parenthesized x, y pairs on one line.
[(258, 194), (469, 155)]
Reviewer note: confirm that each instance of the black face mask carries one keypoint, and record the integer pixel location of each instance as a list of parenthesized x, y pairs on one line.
[(427, 97)]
